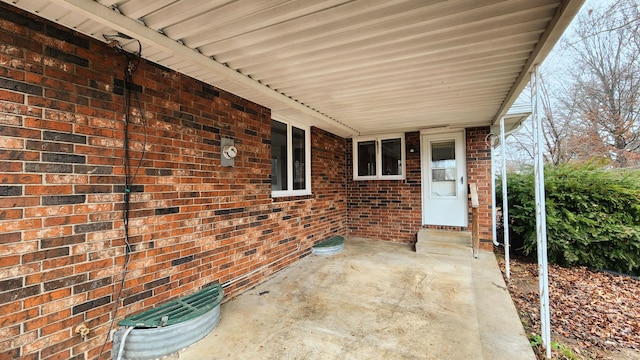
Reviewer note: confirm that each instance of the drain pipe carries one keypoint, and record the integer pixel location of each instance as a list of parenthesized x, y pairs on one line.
[(489, 140), (124, 337), (505, 202)]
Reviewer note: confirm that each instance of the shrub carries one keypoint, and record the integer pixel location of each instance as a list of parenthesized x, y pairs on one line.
[(593, 216)]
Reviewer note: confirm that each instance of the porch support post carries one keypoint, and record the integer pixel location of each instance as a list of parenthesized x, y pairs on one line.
[(505, 202), (541, 219)]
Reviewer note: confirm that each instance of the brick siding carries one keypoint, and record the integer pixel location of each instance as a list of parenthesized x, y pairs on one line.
[(479, 172), (391, 210), (192, 222), (388, 210)]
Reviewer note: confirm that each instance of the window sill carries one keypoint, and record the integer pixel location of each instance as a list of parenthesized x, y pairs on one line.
[(291, 197), (365, 178)]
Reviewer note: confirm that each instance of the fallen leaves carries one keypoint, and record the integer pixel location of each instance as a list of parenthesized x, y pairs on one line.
[(598, 311)]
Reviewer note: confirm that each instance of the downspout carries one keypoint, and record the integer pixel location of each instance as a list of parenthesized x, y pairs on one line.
[(493, 192)]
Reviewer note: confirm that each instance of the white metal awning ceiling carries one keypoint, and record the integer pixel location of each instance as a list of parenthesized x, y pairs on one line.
[(350, 67)]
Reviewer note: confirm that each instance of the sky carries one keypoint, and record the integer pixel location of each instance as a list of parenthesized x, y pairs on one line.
[(555, 68)]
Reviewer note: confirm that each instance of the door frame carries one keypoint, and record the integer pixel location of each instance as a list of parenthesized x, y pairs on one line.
[(425, 167)]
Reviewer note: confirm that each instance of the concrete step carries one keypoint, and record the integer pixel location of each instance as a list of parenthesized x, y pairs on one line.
[(446, 236), (443, 242)]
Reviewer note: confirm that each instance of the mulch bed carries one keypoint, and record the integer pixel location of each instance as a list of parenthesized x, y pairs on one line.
[(595, 314)]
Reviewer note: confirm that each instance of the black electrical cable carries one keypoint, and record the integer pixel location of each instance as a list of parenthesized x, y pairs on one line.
[(132, 62)]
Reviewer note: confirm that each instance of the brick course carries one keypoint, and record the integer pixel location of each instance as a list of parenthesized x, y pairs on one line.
[(192, 222)]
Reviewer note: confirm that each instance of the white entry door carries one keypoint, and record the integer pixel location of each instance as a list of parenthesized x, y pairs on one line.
[(444, 181)]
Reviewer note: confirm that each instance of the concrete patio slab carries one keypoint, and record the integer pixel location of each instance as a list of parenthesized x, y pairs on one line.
[(376, 300)]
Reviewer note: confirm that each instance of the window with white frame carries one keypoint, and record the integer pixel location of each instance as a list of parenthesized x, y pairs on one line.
[(290, 159), (379, 157)]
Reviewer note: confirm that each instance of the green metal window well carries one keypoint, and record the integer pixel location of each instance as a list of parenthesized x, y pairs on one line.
[(179, 310), (331, 246), (330, 242)]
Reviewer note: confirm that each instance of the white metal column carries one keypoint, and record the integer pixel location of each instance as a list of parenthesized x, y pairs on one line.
[(494, 231), (541, 214)]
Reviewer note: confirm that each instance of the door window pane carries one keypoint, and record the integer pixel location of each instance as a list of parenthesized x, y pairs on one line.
[(392, 157), (278, 156), (298, 138), (443, 168)]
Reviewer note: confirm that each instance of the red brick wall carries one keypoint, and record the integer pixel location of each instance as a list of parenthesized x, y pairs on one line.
[(391, 210), (388, 210), (192, 222), (479, 172)]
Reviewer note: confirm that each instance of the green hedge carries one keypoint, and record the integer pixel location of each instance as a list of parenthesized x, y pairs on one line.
[(593, 216)]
